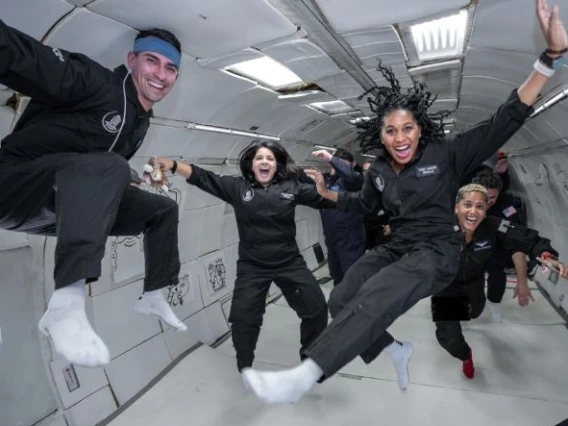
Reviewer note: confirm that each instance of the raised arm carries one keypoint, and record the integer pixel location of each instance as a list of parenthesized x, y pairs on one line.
[(470, 148), (227, 188), (353, 180), (366, 201), (51, 76), (309, 196)]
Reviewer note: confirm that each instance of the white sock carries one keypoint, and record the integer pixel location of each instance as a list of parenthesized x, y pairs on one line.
[(153, 303), (283, 387), (400, 354), (65, 322), (496, 314)]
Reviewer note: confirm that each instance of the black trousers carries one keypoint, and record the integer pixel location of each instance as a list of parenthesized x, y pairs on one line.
[(82, 199), (381, 286), (344, 248), (496, 277), (299, 287), (449, 333)]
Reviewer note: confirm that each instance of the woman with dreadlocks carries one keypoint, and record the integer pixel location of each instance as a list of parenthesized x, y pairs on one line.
[(415, 178)]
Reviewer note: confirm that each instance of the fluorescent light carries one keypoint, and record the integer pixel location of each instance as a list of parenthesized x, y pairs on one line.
[(300, 94), (331, 107), (359, 119), (266, 71), (235, 132), (440, 38)]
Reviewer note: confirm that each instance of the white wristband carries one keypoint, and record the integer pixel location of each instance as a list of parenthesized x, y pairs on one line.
[(543, 69)]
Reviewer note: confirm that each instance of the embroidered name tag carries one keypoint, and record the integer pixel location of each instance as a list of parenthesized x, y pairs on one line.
[(286, 196), (430, 170)]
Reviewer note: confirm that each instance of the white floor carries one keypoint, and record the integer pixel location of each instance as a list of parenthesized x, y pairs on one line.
[(521, 378)]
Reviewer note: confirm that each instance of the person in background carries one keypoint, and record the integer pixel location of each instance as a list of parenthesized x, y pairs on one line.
[(344, 231)]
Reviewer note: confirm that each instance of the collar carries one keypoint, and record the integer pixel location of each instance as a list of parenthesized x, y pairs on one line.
[(131, 92)]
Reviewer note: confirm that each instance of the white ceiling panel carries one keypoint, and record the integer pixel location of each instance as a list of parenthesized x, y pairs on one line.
[(347, 16), (205, 28), (520, 33), (544, 131), (513, 67), (189, 144), (199, 93), (480, 102), (109, 41), (32, 17), (304, 58), (388, 59), (319, 135), (360, 38), (557, 116), (488, 87), (342, 86), (79, 2), (400, 71)]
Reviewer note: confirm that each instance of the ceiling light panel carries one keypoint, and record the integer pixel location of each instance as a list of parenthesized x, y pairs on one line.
[(440, 38), (267, 72), (332, 107)]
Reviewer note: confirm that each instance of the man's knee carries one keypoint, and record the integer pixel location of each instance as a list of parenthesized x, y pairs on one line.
[(337, 299)]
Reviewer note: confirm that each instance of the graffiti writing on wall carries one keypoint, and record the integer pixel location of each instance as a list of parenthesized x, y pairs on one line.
[(216, 274), (177, 292)]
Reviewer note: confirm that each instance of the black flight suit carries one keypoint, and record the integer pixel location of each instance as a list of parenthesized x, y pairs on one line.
[(268, 252), (57, 175), (423, 255), (491, 234), (344, 231), (509, 208)]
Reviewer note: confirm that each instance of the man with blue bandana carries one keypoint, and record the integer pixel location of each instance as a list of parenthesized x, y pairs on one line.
[(64, 172)]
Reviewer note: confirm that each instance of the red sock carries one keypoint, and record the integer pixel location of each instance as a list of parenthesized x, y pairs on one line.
[(468, 368)]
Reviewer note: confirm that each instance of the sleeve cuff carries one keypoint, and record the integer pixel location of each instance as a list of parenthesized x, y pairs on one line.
[(195, 174), (519, 111)]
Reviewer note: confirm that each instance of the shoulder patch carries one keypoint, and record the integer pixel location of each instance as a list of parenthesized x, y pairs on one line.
[(380, 182), (248, 195), (111, 121)]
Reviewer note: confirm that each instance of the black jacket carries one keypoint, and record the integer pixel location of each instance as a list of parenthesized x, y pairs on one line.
[(508, 207), (76, 104), (265, 217), (420, 199), (492, 233)]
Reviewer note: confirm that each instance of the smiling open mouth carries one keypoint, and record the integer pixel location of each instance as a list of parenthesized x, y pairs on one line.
[(402, 151), (472, 220)]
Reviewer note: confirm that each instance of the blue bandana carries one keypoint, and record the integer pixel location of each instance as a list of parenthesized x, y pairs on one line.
[(157, 45)]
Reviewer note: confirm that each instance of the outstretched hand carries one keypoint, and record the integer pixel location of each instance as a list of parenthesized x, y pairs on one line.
[(551, 25), (317, 176)]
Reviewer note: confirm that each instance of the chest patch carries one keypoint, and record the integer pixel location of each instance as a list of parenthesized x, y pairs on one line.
[(481, 245), (111, 121), (248, 195), (380, 183), (286, 196), (509, 211), (429, 170)]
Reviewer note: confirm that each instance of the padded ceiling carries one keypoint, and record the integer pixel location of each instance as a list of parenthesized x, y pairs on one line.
[(204, 28), (347, 16), (522, 34), (32, 17)]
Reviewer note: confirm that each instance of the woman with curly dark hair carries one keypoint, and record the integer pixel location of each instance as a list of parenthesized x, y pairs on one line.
[(264, 200), (415, 179)]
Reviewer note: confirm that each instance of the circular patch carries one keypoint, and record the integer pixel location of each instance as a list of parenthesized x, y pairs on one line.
[(248, 195), (111, 121), (380, 183)]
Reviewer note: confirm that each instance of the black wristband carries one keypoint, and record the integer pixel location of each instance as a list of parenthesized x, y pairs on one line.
[(175, 166), (556, 52)]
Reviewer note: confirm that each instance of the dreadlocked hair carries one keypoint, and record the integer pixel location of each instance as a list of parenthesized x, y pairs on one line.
[(386, 99)]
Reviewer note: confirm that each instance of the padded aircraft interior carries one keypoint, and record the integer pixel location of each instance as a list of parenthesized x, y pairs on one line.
[(330, 49)]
